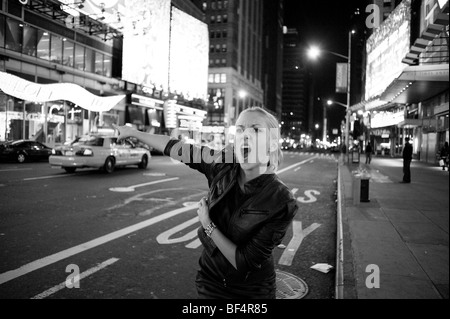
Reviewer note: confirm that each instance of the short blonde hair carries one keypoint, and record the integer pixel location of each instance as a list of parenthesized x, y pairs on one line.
[(276, 156)]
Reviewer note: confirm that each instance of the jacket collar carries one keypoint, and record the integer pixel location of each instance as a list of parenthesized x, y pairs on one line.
[(257, 183)]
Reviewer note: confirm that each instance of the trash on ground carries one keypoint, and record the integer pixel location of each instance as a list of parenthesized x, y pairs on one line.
[(281, 246), (325, 268)]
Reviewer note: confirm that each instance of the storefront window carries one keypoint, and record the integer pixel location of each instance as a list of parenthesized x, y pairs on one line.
[(90, 60), (29, 40), (56, 46), (107, 65), (98, 63), (13, 40), (68, 53), (43, 46), (79, 57)]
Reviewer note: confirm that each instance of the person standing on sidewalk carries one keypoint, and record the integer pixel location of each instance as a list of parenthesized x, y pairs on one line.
[(407, 158), (368, 153)]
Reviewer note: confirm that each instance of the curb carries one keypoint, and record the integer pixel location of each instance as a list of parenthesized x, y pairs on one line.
[(339, 285)]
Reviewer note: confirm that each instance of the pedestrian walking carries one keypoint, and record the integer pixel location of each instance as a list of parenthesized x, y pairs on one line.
[(444, 156), (247, 211), (369, 151), (407, 158)]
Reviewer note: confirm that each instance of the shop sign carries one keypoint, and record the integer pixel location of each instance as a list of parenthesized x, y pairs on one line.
[(387, 119), (213, 129), (191, 125), (39, 117)]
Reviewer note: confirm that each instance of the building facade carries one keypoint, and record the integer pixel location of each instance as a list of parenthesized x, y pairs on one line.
[(46, 42), (272, 58), (407, 81), (294, 119), (235, 55)]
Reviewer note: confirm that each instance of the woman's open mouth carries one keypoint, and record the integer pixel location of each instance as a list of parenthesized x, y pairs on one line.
[(245, 151)]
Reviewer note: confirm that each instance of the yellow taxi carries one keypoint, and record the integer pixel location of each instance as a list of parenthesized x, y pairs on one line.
[(102, 152)]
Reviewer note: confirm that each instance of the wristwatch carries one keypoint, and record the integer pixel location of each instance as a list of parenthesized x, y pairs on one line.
[(209, 229)]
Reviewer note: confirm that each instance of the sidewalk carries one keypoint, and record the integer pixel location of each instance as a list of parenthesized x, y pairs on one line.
[(403, 230)]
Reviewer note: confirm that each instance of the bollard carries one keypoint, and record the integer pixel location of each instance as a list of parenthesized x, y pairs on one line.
[(364, 197), (356, 189)]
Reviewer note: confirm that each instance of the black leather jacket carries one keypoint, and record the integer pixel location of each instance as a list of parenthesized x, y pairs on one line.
[(257, 225)]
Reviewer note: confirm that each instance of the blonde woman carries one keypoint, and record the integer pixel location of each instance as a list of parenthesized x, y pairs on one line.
[(247, 211)]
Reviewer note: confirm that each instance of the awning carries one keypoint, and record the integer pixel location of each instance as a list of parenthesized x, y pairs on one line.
[(367, 105), (30, 91), (418, 83), (410, 123)]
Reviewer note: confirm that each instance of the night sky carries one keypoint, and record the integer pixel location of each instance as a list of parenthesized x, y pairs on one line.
[(324, 23)]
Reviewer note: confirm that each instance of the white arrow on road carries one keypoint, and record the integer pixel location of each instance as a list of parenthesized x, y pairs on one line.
[(294, 244)]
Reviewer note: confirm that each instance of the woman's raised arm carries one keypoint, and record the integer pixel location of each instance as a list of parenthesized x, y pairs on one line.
[(158, 142)]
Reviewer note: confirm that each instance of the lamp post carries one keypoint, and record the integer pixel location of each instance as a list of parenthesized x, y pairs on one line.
[(346, 132), (314, 53)]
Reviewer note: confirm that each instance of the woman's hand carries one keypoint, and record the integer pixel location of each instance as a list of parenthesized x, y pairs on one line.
[(203, 212), (125, 131)]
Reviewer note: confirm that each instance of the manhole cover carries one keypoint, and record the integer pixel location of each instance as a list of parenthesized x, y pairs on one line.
[(290, 286)]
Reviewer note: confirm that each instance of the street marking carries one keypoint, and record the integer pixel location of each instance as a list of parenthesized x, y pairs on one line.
[(194, 244), (295, 165), (298, 235), (298, 168), (83, 275), (309, 197), (43, 262), (15, 169), (133, 187), (164, 238), (45, 177), (155, 174)]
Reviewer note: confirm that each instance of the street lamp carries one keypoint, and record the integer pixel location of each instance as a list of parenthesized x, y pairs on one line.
[(242, 95), (314, 53)]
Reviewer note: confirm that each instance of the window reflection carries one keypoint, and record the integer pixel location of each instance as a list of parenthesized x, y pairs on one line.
[(79, 57), (13, 39), (43, 47), (2, 31), (89, 60), (29, 41), (107, 65), (98, 63), (56, 49), (69, 47)]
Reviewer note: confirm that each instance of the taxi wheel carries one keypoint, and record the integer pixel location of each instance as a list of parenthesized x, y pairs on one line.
[(144, 162), (109, 166)]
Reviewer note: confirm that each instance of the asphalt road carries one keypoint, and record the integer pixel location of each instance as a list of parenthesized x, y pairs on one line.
[(132, 233)]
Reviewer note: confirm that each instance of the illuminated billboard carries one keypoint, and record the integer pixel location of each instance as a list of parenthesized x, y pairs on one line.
[(188, 56), (146, 43), (386, 48)]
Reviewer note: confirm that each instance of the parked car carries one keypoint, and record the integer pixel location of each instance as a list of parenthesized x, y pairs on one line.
[(103, 152), (24, 150)]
